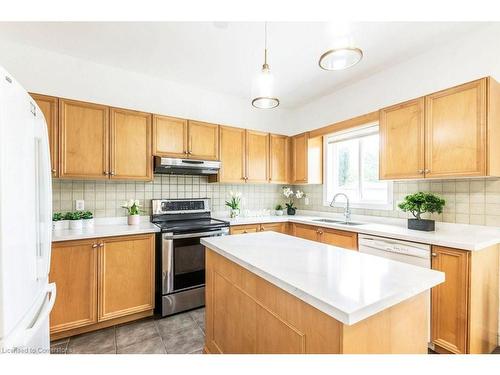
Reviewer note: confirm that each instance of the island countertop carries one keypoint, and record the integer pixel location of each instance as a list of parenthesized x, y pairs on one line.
[(347, 285)]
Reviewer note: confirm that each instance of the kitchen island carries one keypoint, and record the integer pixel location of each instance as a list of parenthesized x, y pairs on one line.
[(272, 293)]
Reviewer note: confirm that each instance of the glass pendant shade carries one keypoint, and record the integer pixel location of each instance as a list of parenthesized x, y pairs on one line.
[(264, 98), (340, 58)]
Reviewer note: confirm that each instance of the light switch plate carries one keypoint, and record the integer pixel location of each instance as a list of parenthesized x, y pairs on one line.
[(79, 205)]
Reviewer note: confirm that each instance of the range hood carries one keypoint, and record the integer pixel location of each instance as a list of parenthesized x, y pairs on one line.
[(185, 166)]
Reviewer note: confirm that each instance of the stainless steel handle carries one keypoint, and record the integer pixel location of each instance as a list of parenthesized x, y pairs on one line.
[(198, 234)]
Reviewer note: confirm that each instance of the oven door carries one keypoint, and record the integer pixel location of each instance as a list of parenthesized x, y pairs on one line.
[(183, 260)]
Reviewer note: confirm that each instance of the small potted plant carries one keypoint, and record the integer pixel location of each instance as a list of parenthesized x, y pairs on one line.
[(278, 210), (88, 219), (58, 221), (75, 220), (133, 210), (290, 195), (418, 204), (234, 204)]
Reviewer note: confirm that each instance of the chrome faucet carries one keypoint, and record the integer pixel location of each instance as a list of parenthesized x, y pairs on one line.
[(347, 212)]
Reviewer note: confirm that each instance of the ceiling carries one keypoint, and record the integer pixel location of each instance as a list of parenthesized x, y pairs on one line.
[(226, 56)]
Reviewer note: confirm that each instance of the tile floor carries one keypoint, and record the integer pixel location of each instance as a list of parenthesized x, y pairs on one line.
[(179, 334)]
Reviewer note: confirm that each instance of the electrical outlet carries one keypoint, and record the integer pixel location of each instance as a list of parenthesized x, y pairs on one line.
[(79, 205), (306, 201)]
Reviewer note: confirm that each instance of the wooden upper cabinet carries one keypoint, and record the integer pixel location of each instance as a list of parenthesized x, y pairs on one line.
[(307, 159), (450, 300), (232, 155), (73, 268), (203, 140), (257, 154), (278, 159), (131, 156), (50, 107), (402, 140), (455, 130), (170, 136), (83, 140), (126, 276)]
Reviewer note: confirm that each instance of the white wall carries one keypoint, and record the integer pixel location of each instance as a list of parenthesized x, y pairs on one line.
[(55, 74), (477, 55)]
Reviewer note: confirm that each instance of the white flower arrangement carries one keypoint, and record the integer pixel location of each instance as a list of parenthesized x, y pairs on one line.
[(234, 202), (290, 195)]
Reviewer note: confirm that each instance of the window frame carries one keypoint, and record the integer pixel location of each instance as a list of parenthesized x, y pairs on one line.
[(346, 135)]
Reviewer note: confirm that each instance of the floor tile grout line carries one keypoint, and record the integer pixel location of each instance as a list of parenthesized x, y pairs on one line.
[(161, 337)]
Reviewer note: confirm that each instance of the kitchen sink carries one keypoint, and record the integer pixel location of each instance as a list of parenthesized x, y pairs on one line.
[(341, 222)]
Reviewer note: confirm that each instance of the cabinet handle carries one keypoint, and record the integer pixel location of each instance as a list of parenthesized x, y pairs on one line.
[(427, 171), (94, 245), (105, 173), (421, 171), (53, 171), (101, 244), (112, 173), (262, 229), (245, 232), (434, 254)]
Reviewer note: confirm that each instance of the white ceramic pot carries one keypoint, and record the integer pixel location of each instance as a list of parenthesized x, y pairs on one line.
[(278, 212), (134, 219), (58, 225), (88, 223), (76, 224)]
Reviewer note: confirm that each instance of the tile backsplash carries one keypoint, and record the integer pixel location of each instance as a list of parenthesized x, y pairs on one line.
[(468, 201), (104, 198)]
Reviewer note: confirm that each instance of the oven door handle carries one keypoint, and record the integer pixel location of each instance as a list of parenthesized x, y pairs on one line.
[(198, 234)]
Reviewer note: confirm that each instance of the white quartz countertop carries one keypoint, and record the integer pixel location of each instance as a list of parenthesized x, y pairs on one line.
[(460, 236), (108, 227), (345, 284)]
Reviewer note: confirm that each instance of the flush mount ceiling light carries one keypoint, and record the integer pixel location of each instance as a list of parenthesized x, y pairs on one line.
[(264, 98), (340, 58)]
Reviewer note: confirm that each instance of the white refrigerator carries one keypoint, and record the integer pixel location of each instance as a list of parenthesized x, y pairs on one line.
[(26, 297)]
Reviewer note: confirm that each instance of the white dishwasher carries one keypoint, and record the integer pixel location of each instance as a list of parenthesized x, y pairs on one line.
[(413, 253)]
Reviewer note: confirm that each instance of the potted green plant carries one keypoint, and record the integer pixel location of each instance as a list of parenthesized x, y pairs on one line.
[(291, 209), (234, 204), (75, 220), (278, 210), (418, 204), (88, 219), (133, 210), (58, 221)]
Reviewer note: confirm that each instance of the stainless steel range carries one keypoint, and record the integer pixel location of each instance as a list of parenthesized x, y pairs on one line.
[(180, 258)]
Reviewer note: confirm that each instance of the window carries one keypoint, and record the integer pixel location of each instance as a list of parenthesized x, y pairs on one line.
[(351, 167)]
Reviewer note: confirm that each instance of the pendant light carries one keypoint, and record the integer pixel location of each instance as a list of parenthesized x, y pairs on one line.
[(342, 54), (264, 98)]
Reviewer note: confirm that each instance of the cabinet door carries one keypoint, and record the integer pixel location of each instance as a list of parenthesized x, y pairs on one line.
[(243, 229), (49, 107), (299, 158), (73, 268), (402, 140), (232, 154), (455, 128), (126, 276), (275, 227), (203, 142), (307, 232), (170, 136), (131, 156), (340, 238), (257, 156), (83, 140), (449, 300), (278, 159)]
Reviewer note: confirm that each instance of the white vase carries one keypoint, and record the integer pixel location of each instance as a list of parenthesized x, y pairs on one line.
[(234, 213), (278, 212), (134, 219), (88, 223), (58, 225), (76, 224)]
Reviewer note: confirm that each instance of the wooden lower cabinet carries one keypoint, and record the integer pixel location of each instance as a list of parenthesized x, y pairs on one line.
[(253, 228), (101, 282), (464, 309), (334, 237), (73, 268)]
